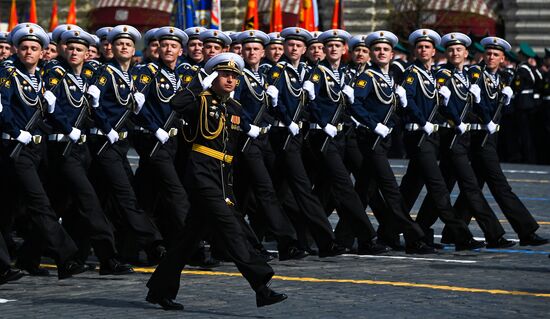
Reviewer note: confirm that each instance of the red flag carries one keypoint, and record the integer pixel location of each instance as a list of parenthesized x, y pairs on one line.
[(32, 12), (338, 15), (53, 19), (71, 17), (276, 24), (251, 17), (13, 16), (307, 15)]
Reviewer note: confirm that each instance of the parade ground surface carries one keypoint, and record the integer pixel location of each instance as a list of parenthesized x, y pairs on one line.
[(511, 283)]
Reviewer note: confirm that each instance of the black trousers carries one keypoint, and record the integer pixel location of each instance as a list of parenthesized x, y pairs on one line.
[(74, 194), (210, 210), (424, 170), (47, 234), (353, 159), (114, 181), (486, 165), (377, 167), (159, 186), (455, 167), (252, 177), (4, 255), (334, 172), (290, 169)]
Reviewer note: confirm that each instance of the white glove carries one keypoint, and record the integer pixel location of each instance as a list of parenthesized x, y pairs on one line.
[(254, 131), (382, 130), (507, 92), (112, 136), (207, 81), (310, 89), (24, 137), (162, 135), (463, 128), (491, 127), (140, 100), (331, 130), (273, 93), (446, 94), (348, 91), (294, 129), (1, 106), (402, 94), (476, 92), (74, 135), (50, 99), (428, 128), (94, 93)]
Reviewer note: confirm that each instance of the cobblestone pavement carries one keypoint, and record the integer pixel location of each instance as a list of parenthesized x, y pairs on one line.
[(513, 283)]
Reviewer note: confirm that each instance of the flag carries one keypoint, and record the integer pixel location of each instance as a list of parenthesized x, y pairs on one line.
[(32, 12), (185, 14), (315, 15), (13, 16), (276, 24), (338, 15), (203, 13), (251, 18), (307, 15), (215, 15), (71, 17), (53, 19)]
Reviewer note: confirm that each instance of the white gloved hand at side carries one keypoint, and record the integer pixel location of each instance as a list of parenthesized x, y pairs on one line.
[(402, 94), (94, 93), (74, 135), (348, 91), (382, 130), (331, 130), (310, 89), (24, 137), (446, 94), (140, 100), (254, 131), (273, 93), (50, 99), (162, 135), (428, 128), (294, 128), (112, 136), (507, 92), (491, 127), (463, 128), (476, 92)]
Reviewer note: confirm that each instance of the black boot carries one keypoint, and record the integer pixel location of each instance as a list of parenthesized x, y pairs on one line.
[(165, 302), (114, 267), (265, 297), (69, 269), (469, 245), (532, 240), (372, 248), (10, 274)]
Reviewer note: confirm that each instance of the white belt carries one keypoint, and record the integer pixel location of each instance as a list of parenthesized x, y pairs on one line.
[(446, 125), (477, 127), (36, 139), (281, 124), (546, 98), (536, 96), (526, 92), (412, 127), (264, 129), (58, 138), (314, 126), (96, 131)]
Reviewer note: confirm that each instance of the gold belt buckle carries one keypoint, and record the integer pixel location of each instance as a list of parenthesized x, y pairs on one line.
[(339, 127), (300, 124), (82, 139), (436, 127), (173, 132), (122, 135), (37, 139)]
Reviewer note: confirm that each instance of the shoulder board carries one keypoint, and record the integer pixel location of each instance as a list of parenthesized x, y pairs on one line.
[(445, 72), (369, 73), (109, 69), (153, 67), (59, 70)]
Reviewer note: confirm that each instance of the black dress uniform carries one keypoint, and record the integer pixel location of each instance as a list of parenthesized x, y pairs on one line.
[(289, 163), (69, 173), (215, 120), (23, 97), (6, 272), (484, 159), (545, 110), (114, 174), (161, 186), (422, 96), (257, 158), (455, 163), (374, 96)]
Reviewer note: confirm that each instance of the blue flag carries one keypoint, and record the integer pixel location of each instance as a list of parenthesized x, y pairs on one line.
[(203, 13), (185, 14)]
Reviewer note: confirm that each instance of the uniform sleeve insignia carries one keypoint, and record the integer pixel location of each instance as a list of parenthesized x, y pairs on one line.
[(475, 75), (152, 68), (410, 80), (88, 73), (102, 80), (195, 68), (440, 80), (238, 81), (5, 82), (316, 77), (144, 79), (53, 81), (275, 75), (361, 83), (236, 120), (187, 79), (517, 82), (59, 71)]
